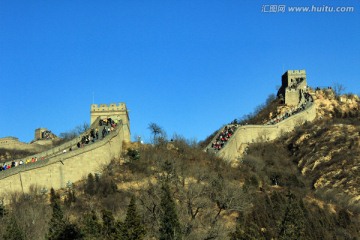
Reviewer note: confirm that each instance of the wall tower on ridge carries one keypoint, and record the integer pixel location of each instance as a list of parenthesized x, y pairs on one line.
[(117, 112), (293, 82)]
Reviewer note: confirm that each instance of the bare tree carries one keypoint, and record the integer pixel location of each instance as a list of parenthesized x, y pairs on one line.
[(75, 132), (68, 135), (82, 128), (339, 89), (155, 129), (158, 133)]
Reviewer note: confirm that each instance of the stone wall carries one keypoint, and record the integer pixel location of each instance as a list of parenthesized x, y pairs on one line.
[(259, 133), (57, 171)]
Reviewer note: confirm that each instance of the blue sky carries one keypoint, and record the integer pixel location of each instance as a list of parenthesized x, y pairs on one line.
[(189, 66)]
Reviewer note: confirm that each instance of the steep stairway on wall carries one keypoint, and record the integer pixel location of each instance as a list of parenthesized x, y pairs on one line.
[(265, 132)]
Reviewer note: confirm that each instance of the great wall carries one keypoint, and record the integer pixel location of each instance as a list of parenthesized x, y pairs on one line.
[(59, 168), (247, 134), (293, 87)]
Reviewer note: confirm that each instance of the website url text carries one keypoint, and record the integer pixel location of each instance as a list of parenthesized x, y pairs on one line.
[(304, 9)]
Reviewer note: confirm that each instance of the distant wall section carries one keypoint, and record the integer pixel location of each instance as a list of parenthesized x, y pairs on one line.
[(57, 171), (14, 143)]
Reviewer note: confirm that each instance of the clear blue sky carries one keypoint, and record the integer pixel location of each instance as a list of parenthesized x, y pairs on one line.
[(188, 65)]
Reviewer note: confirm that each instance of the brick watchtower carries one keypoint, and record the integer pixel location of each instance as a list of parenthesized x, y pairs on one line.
[(117, 112), (293, 81)]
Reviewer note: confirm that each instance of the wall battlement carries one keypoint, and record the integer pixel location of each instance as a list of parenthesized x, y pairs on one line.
[(296, 71), (108, 107)]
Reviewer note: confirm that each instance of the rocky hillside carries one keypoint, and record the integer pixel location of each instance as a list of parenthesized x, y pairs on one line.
[(327, 150)]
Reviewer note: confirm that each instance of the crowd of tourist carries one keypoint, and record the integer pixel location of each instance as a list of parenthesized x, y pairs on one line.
[(15, 163), (107, 125), (91, 137), (318, 88), (107, 122), (223, 136)]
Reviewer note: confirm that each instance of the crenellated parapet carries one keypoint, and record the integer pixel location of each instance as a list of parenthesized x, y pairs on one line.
[(108, 107)]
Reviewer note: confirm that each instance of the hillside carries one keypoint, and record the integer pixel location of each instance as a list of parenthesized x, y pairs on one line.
[(327, 150), (304, 185)]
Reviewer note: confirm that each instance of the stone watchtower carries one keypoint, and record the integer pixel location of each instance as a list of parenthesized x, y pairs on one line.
[(293, 82), (43, 134), (117, 112), (39, 133)]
